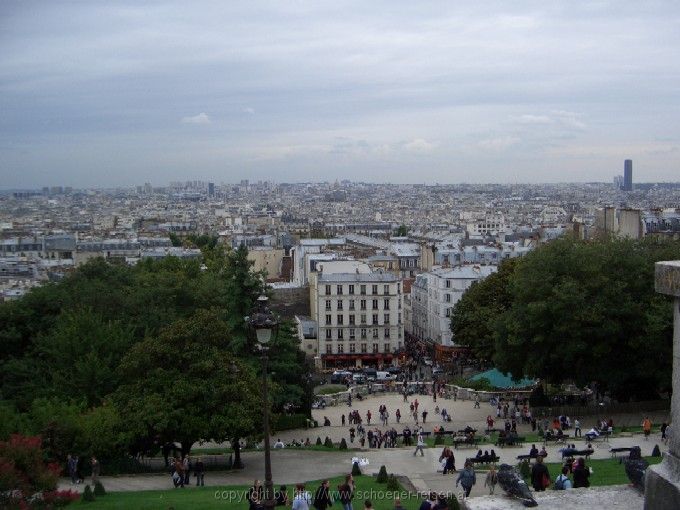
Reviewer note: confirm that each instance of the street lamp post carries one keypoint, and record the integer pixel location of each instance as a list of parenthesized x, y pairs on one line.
[(265, 326)]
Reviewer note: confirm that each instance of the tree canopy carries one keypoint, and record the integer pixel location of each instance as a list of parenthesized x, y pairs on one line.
[(576, 311)]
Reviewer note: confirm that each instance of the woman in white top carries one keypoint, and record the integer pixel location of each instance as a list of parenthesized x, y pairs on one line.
[(302, 499)]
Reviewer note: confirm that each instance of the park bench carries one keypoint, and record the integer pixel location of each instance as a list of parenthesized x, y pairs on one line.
[(467, 442), (510, 441), (616, 451), (555, 438), (529, 457), (482, 460), (568, 452)]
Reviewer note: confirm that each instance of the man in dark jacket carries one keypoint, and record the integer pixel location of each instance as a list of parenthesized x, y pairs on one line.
[(322, 497), (540, 476)]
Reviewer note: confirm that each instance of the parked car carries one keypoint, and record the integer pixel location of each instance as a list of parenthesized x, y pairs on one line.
[(384, 376), (370, 373), (340, 377), (359, 378)]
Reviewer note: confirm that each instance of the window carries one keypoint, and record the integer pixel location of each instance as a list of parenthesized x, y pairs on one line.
[(363, 348), (375, 332), (328, 304), (399, 303), (339, 290), (448, 298), (448, 284), (329, 319), (362, 290), (328, 290), (340, 305), (386, 347), (352, 348), (363, 304), (375, 348), (340, 319), (398, 288), (386, 318), (448, 312), (351, 304), (387, 332), (329, 334), (374, 289), (363, 318), (351, 290), (341, 334), (399, 318), (352, 334), (351, 320), (375, 304), (375, 318), (386, 289), (399, 334), (340, 348), (329, 349), (386, 304), (363, 333)]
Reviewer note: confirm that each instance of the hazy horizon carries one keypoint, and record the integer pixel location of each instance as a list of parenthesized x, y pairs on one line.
[(115, 94)]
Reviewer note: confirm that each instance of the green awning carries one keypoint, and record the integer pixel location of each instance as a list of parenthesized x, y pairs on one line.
[(500, 380)]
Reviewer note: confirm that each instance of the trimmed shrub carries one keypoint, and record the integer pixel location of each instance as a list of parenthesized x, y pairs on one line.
[(524, 469), (356, 470), (99, 489), (382, 475), (290, 421), (318, 442), (343, 444), (393, 484), (328, 443), (88, 495)]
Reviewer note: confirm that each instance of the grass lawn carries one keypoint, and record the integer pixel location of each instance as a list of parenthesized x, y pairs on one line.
[(205, 497), (605, 471), (328, 389)]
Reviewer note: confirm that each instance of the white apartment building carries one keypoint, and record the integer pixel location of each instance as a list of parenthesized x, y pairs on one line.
[(359, 314), (433, 295), (487, 223)]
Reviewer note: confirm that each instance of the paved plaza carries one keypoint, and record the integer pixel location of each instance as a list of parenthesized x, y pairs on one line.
[(291, 466)]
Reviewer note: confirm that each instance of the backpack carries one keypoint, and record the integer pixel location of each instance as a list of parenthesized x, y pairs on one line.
[(559, 483)]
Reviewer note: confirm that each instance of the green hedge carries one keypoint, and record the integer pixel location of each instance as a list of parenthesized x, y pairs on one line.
[(290, 421)]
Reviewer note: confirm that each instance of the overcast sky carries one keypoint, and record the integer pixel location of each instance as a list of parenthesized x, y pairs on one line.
[(97, 93)]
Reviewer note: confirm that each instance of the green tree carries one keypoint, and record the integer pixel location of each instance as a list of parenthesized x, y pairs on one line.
[(184, 386), (402, 231), (475, 315), (587, 311)]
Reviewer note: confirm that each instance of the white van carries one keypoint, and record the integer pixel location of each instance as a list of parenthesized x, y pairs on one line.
[(384, 376)]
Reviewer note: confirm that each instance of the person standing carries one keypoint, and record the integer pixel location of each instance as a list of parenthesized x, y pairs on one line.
[(430, 502), (577, 427), (420, 445), (398, 415), (424, 416), (186, 465), (476, 401), (647, 427), (199, 472), (467, 478), (491, 479), (282, 496), (581, 474), (343, 420), (178, 476), (346, 492), (95, 469), (540, 476), (302, 498), (322, 497), (71, 465)]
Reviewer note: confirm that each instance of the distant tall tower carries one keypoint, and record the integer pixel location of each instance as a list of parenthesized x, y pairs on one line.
[(627, 175), (211, 189)]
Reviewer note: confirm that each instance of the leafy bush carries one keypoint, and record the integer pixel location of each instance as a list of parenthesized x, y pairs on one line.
[(329, 389), (88, 495), (343, 444), (393, 484), (99, 489), (318, 441), (382, 475), (328, 443), (356, 470), (438, 439), (481, 385), (524, 469), (290, 421), (22, 467)]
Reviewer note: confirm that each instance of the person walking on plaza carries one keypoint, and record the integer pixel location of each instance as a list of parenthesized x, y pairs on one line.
[(467, 478), (186, 465), (491, 479), (368, 417), (95, 469), (577, 427), (398, 415), (647, 427), (476, 401), (420, 445), (424, 416), (199, 472)]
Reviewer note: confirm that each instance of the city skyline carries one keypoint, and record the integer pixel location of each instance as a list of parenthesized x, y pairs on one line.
[(107, 95)]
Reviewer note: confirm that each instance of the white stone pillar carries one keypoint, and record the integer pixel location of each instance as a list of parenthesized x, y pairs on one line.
[(662, 484)]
